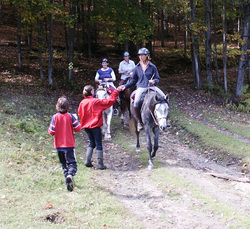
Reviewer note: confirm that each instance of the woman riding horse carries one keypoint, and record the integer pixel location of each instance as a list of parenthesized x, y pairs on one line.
[(144, 75)]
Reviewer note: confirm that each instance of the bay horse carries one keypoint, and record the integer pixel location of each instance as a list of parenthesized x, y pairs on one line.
[(154, 113), (101, 93), (125, 101)]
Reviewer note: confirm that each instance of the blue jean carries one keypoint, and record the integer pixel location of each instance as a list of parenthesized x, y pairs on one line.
[(68, 161), (95, 137)]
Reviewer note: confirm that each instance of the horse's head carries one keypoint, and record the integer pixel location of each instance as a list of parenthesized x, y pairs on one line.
[(161, 111), (101, 92)]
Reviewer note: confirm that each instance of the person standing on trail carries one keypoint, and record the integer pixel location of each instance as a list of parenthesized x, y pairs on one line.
[(90, 112), (145, 75), (107, 75), (62, 126)]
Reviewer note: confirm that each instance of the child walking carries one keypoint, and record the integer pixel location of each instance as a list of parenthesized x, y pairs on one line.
[(90, 112), (62, 127)]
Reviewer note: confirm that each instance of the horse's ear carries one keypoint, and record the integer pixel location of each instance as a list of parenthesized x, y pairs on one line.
[(167, 98)]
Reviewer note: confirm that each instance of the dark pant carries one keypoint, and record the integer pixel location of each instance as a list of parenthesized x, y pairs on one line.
[(95, 137), (68, 161)]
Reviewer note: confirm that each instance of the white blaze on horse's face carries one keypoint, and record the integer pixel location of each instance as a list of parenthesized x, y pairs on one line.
[(101, 94), (161, 114)]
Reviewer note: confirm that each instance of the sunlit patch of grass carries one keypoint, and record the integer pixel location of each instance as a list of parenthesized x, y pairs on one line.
[(210, 137), (229, 124), (33, 193)]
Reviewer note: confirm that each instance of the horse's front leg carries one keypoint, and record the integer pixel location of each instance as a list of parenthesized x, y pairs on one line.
[(104, 127), (108, 133), (156, 137), (138, 150), (149, 147)]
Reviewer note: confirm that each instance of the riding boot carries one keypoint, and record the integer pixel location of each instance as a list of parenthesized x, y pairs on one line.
[(88, 157), (100, 160), (138, 117)]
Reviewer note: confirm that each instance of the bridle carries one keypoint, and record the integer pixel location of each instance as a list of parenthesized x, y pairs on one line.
[(154, 116)]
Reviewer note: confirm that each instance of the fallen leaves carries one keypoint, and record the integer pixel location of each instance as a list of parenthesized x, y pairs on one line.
[(48, 205)]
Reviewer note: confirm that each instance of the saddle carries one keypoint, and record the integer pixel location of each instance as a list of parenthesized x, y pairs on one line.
[(143, 95)]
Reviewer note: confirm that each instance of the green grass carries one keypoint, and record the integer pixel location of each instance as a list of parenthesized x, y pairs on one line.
[(209, 137), (225, 121), (31, 176)]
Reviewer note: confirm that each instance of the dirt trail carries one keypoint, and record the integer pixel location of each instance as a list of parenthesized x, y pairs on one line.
[(180, 192)]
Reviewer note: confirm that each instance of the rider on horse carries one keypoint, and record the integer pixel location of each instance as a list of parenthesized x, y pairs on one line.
[(107, 75), (145, 75)]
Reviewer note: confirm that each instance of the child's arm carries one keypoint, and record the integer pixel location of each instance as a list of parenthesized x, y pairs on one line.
[(51, 129), (76, 124)]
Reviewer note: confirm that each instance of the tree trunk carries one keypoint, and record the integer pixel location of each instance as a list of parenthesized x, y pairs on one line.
[(185, 37), (66, 38), (1, 11), (248, 81), (19, 53), (215, 45), (30, 39), (175, 31), (224, 27), (40, 50), (71, 41), (166, 25), (195, 52), (89, 31), (162, 29), (244, 58), (50, 68), (208, 45)]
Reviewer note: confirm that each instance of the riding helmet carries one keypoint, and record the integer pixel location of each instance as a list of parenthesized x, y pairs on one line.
[(105, 60), (126, 53), (143, 51)]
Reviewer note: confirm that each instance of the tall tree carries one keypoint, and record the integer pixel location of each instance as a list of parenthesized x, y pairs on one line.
[(20, 61), (196, 70), (244, 56), (71, 38), (208, 44), (224, 28), (215, 44), (50, 68)]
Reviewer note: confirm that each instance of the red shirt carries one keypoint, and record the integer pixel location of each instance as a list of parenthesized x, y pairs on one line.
[(90, 110), (62, 126)]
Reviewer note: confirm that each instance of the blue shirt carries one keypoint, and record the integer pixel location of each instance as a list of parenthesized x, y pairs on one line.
[(140, 78)]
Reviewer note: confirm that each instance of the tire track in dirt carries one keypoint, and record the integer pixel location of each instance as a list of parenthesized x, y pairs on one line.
[(159, 202)]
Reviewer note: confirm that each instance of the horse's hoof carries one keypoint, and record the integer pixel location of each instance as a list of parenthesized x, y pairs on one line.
[(107, 138), (138, 151), (150, 167)]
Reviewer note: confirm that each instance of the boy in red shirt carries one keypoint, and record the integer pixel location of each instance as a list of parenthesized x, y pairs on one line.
[(62, 126)]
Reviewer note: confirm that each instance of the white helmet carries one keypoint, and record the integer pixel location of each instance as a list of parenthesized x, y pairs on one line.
[(126, 53)]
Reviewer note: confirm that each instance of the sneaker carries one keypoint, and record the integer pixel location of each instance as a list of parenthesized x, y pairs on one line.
[(116, 112), (139, 126), (69, 183)]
